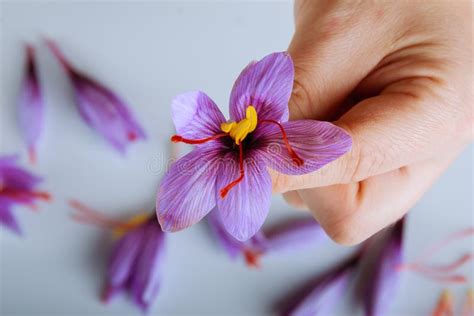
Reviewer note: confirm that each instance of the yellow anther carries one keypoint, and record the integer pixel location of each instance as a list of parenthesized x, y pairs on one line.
[(130, 224), (227, 126), (238, 131)]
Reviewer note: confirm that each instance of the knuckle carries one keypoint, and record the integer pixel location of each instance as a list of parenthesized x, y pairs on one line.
[(346, 232)]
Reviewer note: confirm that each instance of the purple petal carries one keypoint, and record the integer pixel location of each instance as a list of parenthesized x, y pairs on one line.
[(383, 283), (6, 217), (8, 161), (232, 246), (188, 190), (146, 279), (101, 108), (324, 296), (317, 143), (246, 205), (121, 264), (31, 105), (266, 85), (321, 295), (293, 234), (18, 179), (196, 116)]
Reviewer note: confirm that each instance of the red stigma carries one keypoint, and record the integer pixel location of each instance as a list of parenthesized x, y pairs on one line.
[(180, 139), (226, 189), (132, 136), (294, 156), (43, 195), (32, 155), (252, 258)]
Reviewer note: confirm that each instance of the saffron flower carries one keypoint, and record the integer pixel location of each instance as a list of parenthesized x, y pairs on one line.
[(136, 263), (321, 295), (383, 283), (249, 249), (31, 105), (101, 109), (228, 167), (286, 236), (17, 186)]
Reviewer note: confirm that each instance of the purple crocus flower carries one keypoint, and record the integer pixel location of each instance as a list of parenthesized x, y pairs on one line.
[(321, 295), (101, 108), (17, 186), (287, 236), (136, 264), (293, 234), (383, 282), (249, 249), (228, 168), (31, 105)]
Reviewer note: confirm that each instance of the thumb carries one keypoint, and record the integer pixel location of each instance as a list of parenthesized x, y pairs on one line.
[(332, 51)]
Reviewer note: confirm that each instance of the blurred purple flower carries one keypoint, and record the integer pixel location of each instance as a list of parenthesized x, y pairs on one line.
[(31, 105), (228, 168), (383, 281), (250, 249), (101, 108), (136, 264), (287, 236), (293, 234), (321, 295), (17, 186)]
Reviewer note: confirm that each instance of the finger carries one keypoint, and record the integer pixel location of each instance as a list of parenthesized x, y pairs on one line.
[(353, 212), (333, 50), (293, 198), (389, 131)]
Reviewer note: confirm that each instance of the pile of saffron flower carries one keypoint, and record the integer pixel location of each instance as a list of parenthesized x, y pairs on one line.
[(224, 180)]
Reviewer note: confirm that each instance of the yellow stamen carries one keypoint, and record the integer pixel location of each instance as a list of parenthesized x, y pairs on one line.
[(239, 130), (130, 224)]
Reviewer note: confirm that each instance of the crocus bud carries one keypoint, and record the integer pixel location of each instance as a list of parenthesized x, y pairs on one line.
[(31, 105), (101, 109)]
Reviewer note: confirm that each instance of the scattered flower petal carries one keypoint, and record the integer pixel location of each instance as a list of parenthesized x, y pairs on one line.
[(101, 109), (31, 105)]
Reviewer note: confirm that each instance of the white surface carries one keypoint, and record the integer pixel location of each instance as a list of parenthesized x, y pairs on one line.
[(149, 52)]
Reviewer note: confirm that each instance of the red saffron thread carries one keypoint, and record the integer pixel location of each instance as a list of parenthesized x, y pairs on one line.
[(87, 215), (32, 155), (252, 258), (294, 156), (226, 189), (177, 139)]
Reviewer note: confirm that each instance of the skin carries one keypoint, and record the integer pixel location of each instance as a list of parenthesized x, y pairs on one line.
[(397, 76)]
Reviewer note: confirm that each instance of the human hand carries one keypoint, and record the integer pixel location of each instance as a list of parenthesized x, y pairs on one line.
[(397, 76)]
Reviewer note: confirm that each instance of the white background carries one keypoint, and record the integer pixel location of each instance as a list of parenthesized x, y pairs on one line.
[(149, 52)]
